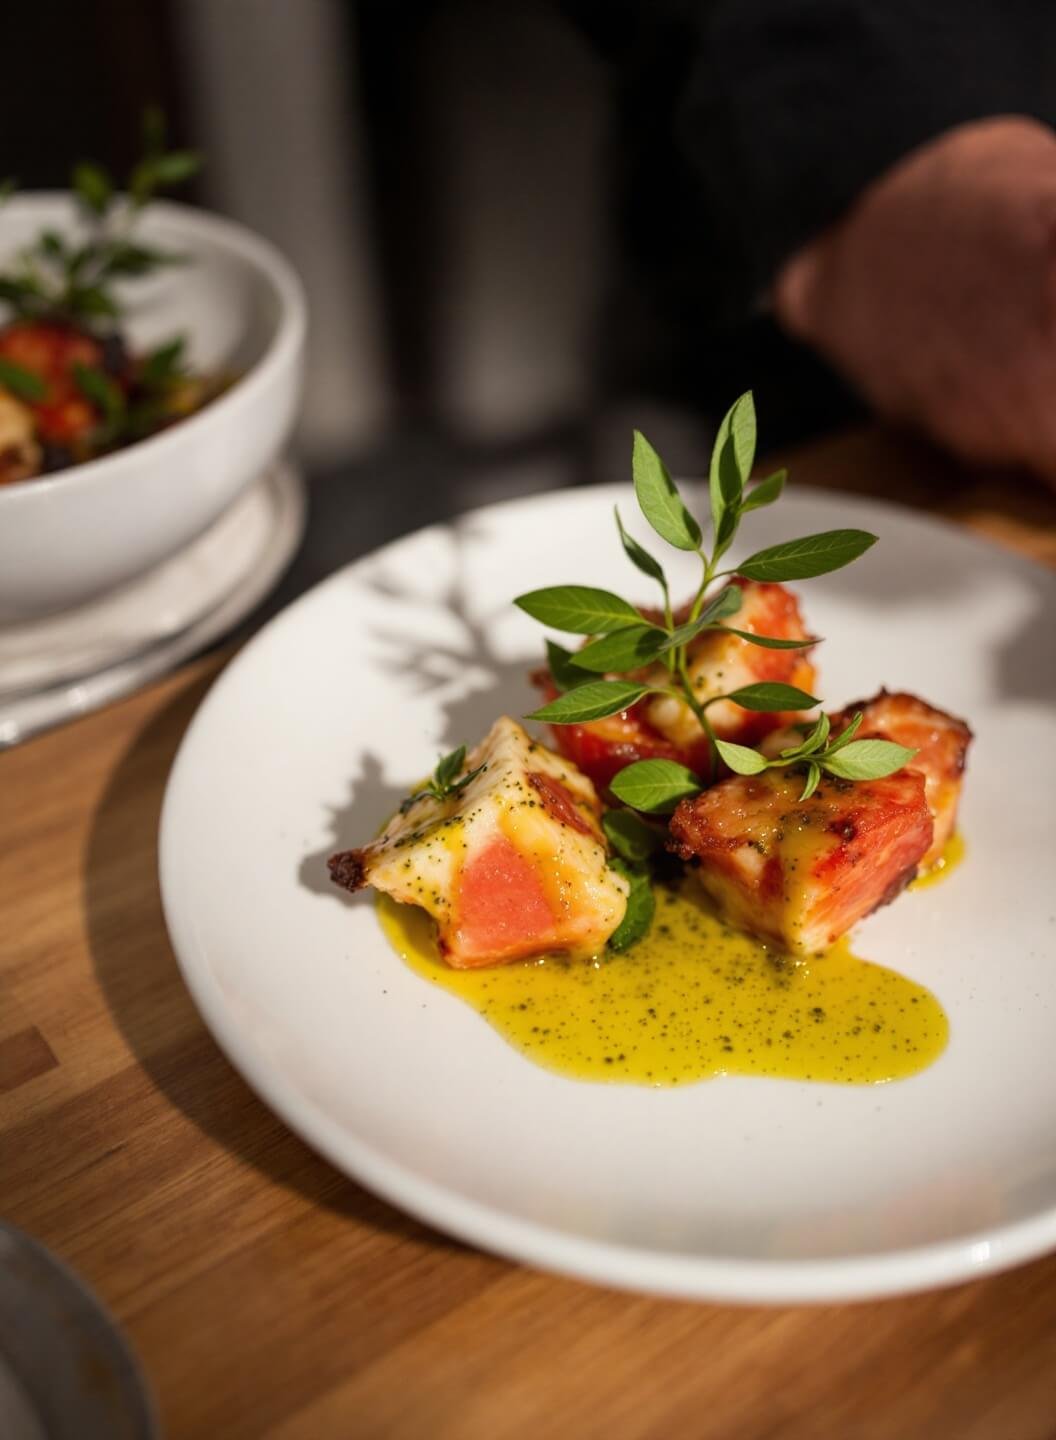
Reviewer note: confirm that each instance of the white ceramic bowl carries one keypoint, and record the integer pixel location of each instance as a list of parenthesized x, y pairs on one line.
[(78, 533)]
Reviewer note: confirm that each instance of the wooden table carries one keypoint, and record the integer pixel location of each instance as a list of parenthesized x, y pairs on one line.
[(268, 1295)]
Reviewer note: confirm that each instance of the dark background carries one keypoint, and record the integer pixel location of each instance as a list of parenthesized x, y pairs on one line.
[(449, 180)]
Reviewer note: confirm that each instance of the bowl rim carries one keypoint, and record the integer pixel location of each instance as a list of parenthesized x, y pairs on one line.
[(246, 245)]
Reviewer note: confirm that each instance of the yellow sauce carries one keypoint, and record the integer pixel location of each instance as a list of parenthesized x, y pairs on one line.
[(692, 1000), (944, 866)]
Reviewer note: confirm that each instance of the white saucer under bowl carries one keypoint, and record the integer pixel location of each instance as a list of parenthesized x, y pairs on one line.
[(60, 667)]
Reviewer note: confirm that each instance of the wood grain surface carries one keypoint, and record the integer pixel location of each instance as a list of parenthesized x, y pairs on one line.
[(267, 1295)]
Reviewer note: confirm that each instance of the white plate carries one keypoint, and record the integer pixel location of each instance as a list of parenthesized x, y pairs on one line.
[(737, 1188), (63, 666)]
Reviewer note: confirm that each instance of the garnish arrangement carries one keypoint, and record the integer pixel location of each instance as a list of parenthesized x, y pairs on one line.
[(697, 837), (70, 388)]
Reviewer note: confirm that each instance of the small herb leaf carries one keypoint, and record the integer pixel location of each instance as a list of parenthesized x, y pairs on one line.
[(765, 493), (741, 759), (771, 642), (844, 738), (639, 556), (655, 786), (564, 671), (630, 836), (592, 701), (92, 186), (641, 907), (623, 650), (96, 386), (450, 767), (813, 776), (659, 500), (812, 555), (578, 609), (770, 695), (867, 759), (23, 384)]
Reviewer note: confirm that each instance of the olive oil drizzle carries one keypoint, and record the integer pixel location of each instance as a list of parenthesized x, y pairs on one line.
[(693, 1000)]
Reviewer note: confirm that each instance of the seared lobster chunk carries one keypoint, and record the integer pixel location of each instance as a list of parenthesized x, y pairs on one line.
[(800, 873), (514, 865), (940, 740)]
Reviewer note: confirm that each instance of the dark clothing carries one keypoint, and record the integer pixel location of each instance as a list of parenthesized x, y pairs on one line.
[(746, 126)]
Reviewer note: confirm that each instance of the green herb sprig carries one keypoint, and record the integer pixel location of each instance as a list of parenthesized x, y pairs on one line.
[(624, 642), (657, 786), (447, 780), (62, 279)]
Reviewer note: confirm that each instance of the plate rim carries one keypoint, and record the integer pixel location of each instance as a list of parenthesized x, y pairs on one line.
[(672, 1274)]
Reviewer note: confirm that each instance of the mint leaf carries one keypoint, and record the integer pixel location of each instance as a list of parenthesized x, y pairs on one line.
[(867, 760), (579, 609), (105, 394), (592, 701), (812, 555), (655, 786), (727, 602), (765, 493), (740, 758), (659, 500), (623, 650), (770, 695)]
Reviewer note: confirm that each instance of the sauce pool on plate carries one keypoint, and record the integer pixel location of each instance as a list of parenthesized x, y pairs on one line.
[(692, 1000)]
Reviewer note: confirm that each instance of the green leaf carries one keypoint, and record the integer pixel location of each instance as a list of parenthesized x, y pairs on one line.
[(655, 786), (813, 776), (740, 758), (815, 737), (450, 767), (845, 737), (91, 301), (641, 907), (765, 493), (592, 701), (770, 695), (731, 464), (867, 759), (96, 386), (133, 261), (638, 555), (176, 167), (564, 671), (629, 835), (92, 186), (163, 364), (23, 384), (743, 433), (153, 130), (579, 609), (812, 555), (623, 650), (726, 602), (771, 642), (659, 500), (52, 245)]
